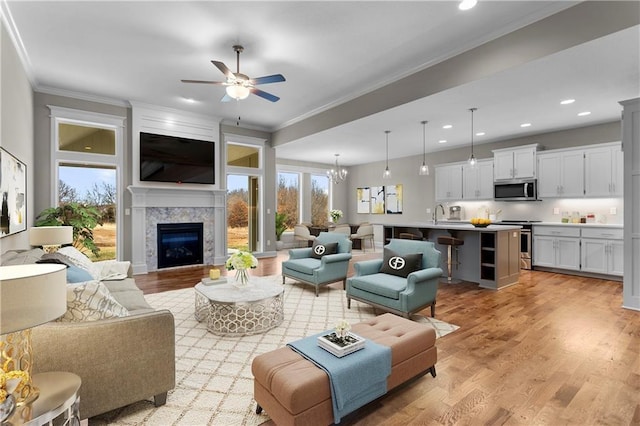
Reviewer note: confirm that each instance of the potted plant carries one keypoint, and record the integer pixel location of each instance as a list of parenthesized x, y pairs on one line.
[(281, 226), (81, 217)]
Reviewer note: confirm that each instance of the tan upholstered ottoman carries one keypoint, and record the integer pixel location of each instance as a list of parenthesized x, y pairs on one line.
[(293, 391)]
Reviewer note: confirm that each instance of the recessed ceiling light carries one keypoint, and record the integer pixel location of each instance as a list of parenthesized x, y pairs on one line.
[(583, 113), (525, 125), (442, 141), (480, 134), (567, 101), (447, 126), (189, 100), (88, 148), (467, 4)]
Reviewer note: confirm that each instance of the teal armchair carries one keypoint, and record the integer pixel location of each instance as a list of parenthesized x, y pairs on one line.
[(402, 296), (303, 267)]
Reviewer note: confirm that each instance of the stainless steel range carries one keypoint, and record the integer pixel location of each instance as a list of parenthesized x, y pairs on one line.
[(526, 240)]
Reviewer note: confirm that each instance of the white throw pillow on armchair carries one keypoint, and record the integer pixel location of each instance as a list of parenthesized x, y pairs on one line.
[(91, 301)]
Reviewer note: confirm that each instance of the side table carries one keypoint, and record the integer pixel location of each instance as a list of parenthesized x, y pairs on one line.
[(59, 394)]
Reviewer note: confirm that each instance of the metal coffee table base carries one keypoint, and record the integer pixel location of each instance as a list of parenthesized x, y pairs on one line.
[(239, 318)]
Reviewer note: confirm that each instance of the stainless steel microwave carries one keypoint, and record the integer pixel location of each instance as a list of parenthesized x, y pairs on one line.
[(516, 190)]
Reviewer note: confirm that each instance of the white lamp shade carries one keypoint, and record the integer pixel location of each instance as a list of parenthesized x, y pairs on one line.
[(50, 235), (31, 295)]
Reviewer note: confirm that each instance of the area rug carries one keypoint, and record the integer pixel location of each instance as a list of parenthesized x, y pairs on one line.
[(214, 384)]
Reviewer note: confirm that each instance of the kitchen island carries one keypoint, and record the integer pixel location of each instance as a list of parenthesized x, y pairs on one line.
[(490, 256)]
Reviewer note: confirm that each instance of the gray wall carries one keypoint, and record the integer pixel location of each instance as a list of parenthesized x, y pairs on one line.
[(16, 127)]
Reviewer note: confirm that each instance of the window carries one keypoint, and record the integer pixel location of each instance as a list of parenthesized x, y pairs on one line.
[(87, 161), (244, 198), (319, 199), (288, 194)]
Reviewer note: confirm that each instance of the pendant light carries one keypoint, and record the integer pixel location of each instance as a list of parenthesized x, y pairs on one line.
[(387, 173), (472, 158), (424, 169)]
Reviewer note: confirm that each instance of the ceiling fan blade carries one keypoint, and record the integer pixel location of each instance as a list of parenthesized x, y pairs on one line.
[(275, 78), (203, 81), (265, 95), (222, 67), (226, 98)]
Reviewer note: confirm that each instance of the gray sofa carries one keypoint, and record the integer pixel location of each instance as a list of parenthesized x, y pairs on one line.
[(120, 360)]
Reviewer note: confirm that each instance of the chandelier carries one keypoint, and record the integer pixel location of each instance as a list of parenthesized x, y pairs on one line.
[(337, 174)]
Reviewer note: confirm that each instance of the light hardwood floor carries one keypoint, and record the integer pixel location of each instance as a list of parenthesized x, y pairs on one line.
[(554, 349)]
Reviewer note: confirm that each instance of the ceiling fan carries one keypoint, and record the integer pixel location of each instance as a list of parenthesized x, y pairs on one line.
[(238, 85)]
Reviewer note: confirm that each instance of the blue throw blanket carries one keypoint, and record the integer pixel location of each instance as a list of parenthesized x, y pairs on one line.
[(356, 379)]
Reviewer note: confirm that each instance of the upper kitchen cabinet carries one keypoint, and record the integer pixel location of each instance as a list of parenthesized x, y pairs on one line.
[(478, 181), (515, 163), (603, 171), (561, 173), (449, 182)]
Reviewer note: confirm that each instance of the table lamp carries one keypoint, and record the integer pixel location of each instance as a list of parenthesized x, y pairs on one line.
[(30, 295), (50, 237)]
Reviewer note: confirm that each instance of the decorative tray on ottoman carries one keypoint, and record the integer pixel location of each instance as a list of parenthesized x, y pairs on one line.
[(341, 347)]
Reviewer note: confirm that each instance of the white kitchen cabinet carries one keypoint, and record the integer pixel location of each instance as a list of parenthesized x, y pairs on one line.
[(556, 247), (561, 174), (515, 163), (602, 251), (449, 182), (478, 181), (603, 171)]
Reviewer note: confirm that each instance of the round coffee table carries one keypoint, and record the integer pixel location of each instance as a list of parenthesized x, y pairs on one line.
[(233, 311)]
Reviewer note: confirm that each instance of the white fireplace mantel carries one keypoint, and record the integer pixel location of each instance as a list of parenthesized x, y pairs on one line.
[(146, 197)]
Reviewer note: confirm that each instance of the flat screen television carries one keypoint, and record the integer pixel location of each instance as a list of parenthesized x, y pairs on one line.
[(172, 159)]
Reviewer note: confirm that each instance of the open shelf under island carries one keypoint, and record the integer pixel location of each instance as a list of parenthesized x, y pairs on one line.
[(490, 256)]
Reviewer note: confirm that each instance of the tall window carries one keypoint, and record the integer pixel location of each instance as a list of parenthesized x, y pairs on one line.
[(244, 197), (87, 157), (319, 199), (289, 197)]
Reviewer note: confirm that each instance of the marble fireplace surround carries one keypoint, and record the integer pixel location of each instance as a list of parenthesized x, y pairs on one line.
[(153, 205)]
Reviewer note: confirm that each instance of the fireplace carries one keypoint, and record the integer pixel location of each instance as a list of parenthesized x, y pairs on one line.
[(179, 244)]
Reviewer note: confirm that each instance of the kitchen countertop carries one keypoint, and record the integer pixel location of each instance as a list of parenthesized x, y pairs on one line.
[(583, 225), (456, 225)]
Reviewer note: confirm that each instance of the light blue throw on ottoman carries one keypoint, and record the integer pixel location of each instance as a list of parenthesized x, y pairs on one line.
[(356, 379)]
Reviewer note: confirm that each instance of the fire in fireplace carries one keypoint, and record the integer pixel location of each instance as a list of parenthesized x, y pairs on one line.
[(179, 244)]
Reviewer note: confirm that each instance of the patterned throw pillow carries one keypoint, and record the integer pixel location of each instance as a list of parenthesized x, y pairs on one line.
[(322, 249), (400, 265), (91, 301)]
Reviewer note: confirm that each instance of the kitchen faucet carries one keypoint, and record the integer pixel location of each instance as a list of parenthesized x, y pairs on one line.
[(435, 213)]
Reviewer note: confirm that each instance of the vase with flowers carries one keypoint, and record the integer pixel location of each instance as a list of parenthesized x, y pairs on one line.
[(335, 215), (241, 262)]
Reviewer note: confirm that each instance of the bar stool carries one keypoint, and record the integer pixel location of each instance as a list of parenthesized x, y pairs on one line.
[(453, 243)]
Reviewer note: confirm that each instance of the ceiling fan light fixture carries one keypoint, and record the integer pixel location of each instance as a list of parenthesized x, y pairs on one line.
[(238, 91), (472, 158), (467, 4), (387, 173), (424, 169)]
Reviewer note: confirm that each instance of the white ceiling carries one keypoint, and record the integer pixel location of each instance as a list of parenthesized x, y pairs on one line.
[(330, 53)]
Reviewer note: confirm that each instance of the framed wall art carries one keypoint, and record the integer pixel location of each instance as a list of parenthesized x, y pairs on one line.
[(363, 196), (393, 199), (13, 189), (377, 199)]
